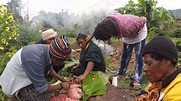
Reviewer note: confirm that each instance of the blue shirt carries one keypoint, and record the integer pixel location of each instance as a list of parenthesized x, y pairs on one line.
[(36, 63)]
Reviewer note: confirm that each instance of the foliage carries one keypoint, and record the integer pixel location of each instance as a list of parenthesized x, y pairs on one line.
[(94, 84), (156, 16), (14, 7), (178, 45), (177, 33), (8, 37), (3, 97), (71, 61), (29, 33), (8, 40), (17, 32)]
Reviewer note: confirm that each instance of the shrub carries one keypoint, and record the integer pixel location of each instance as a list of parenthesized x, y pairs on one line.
[(8, 35)]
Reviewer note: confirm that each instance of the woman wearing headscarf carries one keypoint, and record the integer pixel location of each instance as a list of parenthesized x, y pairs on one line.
[(47, 36)]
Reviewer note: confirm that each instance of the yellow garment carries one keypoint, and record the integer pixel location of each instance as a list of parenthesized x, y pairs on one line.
[(147, 88), (172, 91), (153, 93), (87, 45)]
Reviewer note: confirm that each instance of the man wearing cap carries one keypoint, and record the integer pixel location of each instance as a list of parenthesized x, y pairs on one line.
[(160, 58), (24, 77), (47, 36)]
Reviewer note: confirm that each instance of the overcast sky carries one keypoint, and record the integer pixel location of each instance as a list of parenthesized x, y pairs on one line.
[(80, 6)]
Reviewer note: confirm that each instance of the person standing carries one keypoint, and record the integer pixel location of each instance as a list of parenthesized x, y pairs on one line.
[(24, 77), (133, 31)]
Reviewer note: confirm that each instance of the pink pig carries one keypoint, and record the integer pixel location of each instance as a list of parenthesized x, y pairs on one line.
[(74, 92)]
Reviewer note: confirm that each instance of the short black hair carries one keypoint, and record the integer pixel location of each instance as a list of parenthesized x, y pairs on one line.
[(81, 35), (158, 57), (106, 29)]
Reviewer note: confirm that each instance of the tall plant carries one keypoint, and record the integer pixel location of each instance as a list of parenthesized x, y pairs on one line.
[(8, 35)]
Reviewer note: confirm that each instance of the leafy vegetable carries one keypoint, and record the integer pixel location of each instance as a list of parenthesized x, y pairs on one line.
[(94, 84)]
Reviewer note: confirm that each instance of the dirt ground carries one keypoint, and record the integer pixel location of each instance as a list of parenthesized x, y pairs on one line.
[(115, 57), (112, 59)]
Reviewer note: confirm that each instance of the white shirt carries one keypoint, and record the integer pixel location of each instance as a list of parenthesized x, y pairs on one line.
[(11, 77), (142, 35)]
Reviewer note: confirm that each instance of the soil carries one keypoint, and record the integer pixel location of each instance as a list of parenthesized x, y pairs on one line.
[(113, 94), (114, 57)]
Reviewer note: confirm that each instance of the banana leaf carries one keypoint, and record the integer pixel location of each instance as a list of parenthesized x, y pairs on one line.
[(94, 84)]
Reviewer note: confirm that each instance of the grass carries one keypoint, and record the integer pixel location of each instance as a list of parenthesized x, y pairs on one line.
[(125, 84)]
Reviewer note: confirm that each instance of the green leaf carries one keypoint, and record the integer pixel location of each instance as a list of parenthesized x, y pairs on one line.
[(142, 3), (161, 12), (94, 84), (1, 48), (71, 62)]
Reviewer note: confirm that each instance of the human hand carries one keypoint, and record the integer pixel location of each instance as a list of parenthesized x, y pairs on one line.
[(70, 80), (65, 85), (79, 79)]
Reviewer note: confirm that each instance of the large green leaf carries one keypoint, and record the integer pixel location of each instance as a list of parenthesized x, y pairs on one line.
[(94, 84), (142, 3)]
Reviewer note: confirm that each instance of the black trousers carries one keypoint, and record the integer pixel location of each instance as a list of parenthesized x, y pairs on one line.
[(58, 68), (78, 71)]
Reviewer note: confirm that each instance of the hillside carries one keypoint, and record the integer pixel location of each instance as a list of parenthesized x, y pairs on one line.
[(177, 13)]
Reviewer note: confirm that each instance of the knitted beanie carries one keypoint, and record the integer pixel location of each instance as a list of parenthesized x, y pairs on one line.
[(47, 34), (163, 46), (60, 48)]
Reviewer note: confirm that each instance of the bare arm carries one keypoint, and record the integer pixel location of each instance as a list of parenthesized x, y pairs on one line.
[(89, 38), (56, 76), (89, 68), (53, 88)]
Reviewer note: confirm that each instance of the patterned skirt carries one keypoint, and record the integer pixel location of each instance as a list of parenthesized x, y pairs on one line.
[(29, 93)]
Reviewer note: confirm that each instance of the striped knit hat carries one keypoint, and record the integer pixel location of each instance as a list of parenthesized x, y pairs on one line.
[(60, 48)]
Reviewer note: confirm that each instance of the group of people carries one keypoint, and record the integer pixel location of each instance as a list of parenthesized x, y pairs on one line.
[(24, 77), (158, 58)]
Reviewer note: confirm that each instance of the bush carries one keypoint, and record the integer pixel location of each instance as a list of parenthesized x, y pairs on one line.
[(8, 35), (8, 41), (177, 33)]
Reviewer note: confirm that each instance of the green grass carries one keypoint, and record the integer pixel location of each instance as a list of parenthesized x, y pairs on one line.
[(125, 84), (3, 97)]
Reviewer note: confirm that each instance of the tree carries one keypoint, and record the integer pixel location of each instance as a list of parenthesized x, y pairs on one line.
[(15, 7), (156, 16)]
